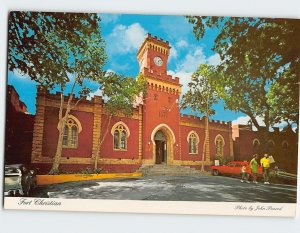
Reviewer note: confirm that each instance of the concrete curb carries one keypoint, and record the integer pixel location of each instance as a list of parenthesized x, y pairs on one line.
[(56, 179)]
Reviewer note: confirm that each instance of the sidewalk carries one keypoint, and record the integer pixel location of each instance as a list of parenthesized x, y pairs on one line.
[(63, 178)]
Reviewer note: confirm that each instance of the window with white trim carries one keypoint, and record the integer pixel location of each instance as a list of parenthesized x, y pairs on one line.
[(193, 144), (120, 137), (70, 136), (219, 142)]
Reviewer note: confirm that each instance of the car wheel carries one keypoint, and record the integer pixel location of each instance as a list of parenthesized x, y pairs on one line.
[(215, 172)]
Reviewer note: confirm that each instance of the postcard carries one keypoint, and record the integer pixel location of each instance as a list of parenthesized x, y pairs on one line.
[(152, 114)]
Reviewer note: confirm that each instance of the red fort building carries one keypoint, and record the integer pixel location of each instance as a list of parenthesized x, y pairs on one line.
[(156, 133)]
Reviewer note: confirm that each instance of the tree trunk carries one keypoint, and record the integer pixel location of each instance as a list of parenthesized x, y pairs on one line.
[(55, 165), (100, 143), (206, 130), (203, 153), (61, 126)]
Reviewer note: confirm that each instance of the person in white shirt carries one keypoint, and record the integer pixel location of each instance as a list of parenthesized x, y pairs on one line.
[(244, 174)]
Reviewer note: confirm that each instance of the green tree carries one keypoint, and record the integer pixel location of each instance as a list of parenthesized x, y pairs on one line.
[(200, 97), (260, 60), (122, 94), (55, 49)]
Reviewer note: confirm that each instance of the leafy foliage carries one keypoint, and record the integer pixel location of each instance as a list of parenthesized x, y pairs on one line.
[(200, 97), (121, 92), (202, 91), (59, 48), (54, 49), (260, 60), (49, 46)]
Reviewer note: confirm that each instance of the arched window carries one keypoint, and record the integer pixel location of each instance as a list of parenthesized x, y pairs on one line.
[(256, 144), (71, 130), (285, 145), (120, 134), (270, 145), (219, 142), (193, 141)]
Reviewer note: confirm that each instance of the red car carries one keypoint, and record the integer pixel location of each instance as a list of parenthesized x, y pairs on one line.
[(233, 169)]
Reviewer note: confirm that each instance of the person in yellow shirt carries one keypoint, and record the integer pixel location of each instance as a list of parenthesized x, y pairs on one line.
[(265, 163)]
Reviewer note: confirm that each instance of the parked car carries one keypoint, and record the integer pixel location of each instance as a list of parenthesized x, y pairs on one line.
[(20, 179), (232, 169)]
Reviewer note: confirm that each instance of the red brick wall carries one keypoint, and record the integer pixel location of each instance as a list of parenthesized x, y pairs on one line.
[(107, 150), (226, 149), (185, 130), (18, 129), (213, 132), (285, 159), (85, 137), (156, 112)]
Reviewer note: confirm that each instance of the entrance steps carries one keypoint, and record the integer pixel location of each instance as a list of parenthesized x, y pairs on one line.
[(168, 170)]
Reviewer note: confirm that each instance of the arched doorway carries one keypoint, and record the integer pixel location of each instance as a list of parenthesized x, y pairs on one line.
[(163, 141), (160, 148)]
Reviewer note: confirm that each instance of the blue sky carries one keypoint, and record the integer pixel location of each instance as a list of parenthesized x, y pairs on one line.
[(125, 33)]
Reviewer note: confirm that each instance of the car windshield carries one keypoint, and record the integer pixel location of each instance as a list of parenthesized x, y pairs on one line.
[(11, 170)]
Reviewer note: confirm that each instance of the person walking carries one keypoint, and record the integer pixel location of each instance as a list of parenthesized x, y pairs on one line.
[(265, 163), (244, 174), (254, 168)]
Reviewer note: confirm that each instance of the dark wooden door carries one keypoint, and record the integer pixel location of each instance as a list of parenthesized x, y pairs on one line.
[(159, 151)]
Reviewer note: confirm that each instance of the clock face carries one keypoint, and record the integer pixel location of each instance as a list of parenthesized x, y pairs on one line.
[(158, 61)]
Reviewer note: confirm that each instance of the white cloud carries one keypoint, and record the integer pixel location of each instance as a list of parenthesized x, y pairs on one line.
[(111, 71), (173, 53), (189, 64), (192, 61), (182, 44), (19, 74), (214, 60), (96, 93), (125, 39), (185, 78), (284, 124), (243, 120)]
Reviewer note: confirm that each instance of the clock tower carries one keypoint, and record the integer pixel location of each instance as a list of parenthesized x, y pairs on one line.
[(153, 54), (160, 111)]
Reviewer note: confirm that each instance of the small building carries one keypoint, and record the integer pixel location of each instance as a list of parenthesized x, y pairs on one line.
[(282, 145), (19, 129)]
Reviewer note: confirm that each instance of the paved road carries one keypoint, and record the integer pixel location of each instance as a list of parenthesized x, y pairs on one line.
[(214, 189)]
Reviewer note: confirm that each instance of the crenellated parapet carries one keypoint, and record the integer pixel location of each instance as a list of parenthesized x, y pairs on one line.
[(57, 96), (161, 76), (162, 82), (48, 99), (154, 43), (194, 121), (191, 119)]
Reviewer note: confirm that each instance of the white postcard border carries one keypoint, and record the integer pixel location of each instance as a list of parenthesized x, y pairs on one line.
[(153, 207)]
